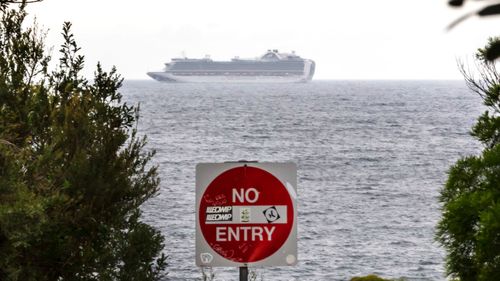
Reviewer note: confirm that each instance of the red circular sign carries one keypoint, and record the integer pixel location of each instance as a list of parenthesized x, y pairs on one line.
[(246, 214)]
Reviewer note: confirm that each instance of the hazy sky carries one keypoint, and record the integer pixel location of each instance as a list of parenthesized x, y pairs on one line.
[(364, 39)]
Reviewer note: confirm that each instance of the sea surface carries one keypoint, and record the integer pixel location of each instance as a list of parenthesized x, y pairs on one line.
[(371, 155)]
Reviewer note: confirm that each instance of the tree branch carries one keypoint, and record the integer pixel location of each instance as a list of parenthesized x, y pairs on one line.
[(19, 1)]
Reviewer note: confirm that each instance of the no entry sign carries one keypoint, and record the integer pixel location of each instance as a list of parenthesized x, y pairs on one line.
[(246, 214)]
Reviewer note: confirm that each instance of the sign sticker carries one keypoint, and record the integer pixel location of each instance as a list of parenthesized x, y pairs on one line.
[(219, 213)]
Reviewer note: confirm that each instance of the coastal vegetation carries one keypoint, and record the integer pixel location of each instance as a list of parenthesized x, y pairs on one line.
[(469, 228), (489, 8), (372, 277), (73, 171)]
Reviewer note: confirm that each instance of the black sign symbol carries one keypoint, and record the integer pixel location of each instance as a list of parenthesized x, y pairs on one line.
[(271, 214)]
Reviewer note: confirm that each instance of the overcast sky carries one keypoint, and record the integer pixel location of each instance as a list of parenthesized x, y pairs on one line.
[(364, 39)]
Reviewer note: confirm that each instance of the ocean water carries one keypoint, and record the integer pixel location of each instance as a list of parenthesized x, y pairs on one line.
[(371, 155)]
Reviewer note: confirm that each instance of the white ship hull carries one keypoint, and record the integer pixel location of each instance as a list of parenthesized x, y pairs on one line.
[(169, 77)]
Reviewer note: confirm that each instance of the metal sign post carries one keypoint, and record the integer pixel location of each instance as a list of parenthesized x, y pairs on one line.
[(243, 273)]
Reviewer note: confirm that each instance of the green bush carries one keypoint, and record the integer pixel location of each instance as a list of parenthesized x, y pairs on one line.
[(73, 173), (469, 229), (370, 277)]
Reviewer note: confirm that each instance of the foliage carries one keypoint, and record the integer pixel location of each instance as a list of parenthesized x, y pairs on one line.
[(370, 277), (470, 225), (73, 173), (492, 8)]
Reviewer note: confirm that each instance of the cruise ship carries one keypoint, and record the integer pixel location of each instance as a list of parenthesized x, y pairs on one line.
[(273, 67)]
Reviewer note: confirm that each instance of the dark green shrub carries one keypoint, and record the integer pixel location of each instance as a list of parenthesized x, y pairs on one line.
[(73, 173), (370, 277), (469, 228)]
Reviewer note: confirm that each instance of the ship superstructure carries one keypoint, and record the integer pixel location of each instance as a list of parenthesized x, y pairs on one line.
[(273, 66)]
